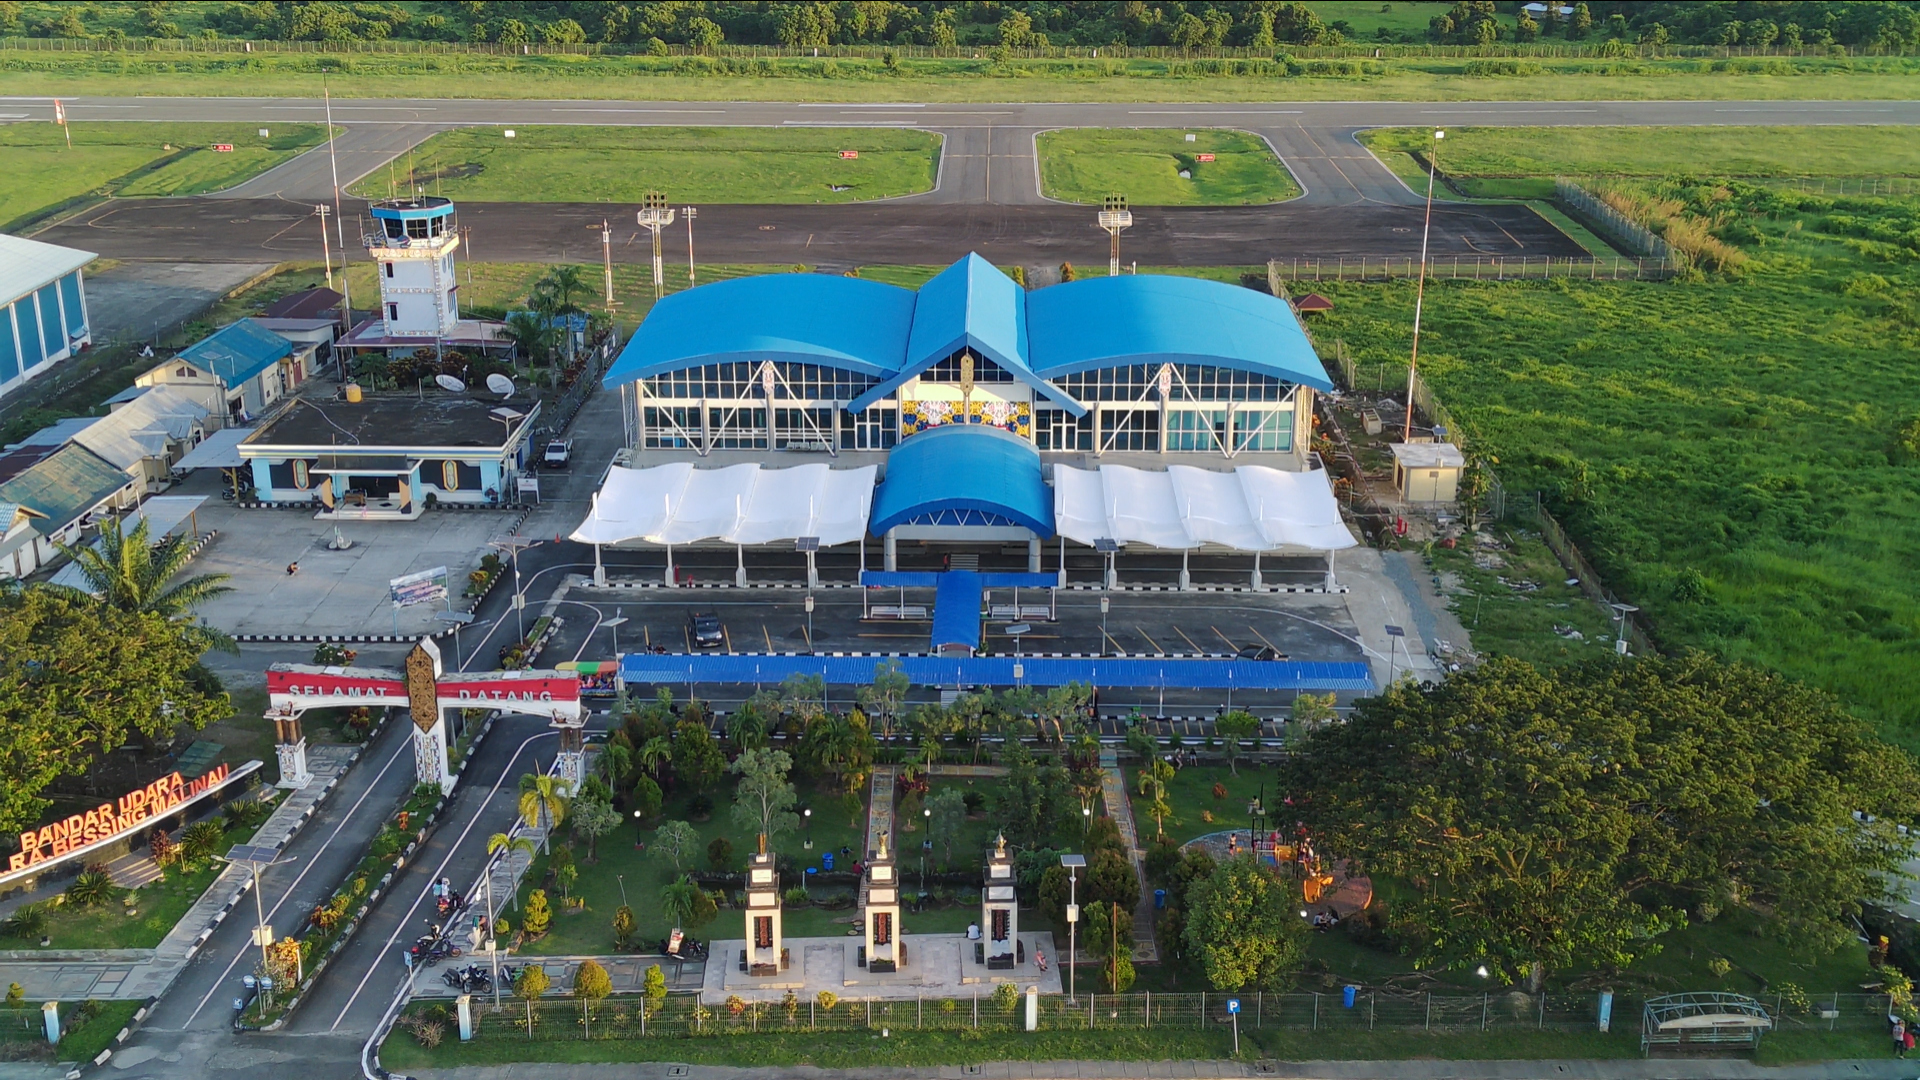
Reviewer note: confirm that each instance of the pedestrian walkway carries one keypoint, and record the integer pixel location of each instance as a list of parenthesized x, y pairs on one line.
[(137, 974), (879, 819), (1185, 1069), (627, 973), (1113, 789)]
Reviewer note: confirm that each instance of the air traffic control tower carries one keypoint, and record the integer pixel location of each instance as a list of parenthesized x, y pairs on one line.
[(413, 241)]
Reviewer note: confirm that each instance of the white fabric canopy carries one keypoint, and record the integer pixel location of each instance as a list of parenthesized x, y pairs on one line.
[(740, 504), (1252, 508)]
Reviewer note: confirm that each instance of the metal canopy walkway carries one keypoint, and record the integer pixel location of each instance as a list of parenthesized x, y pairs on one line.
[(1165, 673)]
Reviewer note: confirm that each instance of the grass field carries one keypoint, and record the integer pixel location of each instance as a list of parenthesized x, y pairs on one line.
[(142, 926), (1542, 153), (705, 165), (42, 174), (386, 75), (1738, 429), (1084, 165)]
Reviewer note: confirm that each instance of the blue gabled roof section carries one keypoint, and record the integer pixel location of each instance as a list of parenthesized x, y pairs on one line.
[(893, 334), (237, 352), (1152, 319), (963, 467), (838, 321)]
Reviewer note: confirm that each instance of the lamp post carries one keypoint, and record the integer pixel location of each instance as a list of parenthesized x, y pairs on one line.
[(1420, 287), (1086, 820), (807, 815), (1073, 863), (926, 845)]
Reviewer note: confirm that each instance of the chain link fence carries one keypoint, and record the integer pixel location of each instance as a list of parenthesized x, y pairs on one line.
[(1618, 228), (1477, 268), (1369, 1009)]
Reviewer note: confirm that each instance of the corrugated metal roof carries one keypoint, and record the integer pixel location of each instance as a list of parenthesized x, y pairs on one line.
[(893, 334), (237, 352), (143, 427), (964, 467), (162, 513), (1296, 676), (71, 481), (26, 265)]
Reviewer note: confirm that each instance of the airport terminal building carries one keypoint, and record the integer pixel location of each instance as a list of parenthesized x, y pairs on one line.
[(1122, 366)]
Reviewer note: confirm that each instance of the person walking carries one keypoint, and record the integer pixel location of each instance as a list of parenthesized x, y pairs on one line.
[(1899, 1037)]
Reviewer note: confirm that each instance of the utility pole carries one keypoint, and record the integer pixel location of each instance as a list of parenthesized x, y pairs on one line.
[(325, 251), (606, 258), (1114, 216), (690, 213), (653, 216), (1420, 288), (339, 221)]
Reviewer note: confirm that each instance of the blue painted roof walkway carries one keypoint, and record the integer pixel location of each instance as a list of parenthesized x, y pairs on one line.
[(1170, 673)]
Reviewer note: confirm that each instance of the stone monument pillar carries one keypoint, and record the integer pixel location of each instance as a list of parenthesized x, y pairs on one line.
[(1000, 910), (290, 743), (883, 912), (430, 761), (571, 763), (764, 946)]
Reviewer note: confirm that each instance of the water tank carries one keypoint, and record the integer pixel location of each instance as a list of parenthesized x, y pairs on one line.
[(353, 393)]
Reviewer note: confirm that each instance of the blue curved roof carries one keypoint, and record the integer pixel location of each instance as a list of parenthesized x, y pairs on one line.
[(961, 467), (894, 334), (798, 318), (1134, 319)]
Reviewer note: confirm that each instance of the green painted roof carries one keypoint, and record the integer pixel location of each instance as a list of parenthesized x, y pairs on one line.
[(65, 485)]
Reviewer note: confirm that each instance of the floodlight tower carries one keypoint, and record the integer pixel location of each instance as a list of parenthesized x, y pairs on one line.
[(1114, 217), (655, 215)]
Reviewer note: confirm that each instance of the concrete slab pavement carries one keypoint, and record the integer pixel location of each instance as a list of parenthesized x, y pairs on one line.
[(137, 299)]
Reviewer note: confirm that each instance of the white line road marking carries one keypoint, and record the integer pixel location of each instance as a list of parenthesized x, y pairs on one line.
[(837, 105), (720, 112), (1214, 112)]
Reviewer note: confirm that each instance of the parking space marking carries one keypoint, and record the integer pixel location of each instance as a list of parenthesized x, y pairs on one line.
[(1150, 641), (1264, 641), (1188, 640), (765, 633), (1231, 647), (1117, 647)]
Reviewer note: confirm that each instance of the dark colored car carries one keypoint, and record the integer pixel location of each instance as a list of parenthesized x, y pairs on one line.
[(1260, 652), (703, 628)]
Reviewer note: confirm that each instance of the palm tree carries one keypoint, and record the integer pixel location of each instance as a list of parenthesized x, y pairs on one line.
[(533, 336), (127, 570), (543, 802), (679, 901), (657, 752), (560, 284), (500, 842)]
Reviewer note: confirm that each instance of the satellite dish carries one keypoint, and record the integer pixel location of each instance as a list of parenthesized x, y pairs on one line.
[(448, 382), (500, 384)]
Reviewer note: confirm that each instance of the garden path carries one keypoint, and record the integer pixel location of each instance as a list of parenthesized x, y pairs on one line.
[(1113, 789), (879, 817)]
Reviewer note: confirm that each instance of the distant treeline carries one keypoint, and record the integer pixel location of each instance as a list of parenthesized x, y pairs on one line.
[(1194, 24)]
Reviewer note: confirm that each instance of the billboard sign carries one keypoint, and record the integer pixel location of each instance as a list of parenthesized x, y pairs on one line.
[(425, 587)]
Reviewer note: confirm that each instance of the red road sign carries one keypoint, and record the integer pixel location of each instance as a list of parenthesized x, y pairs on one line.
[(847, 155), (223, 148), (1203, 157)]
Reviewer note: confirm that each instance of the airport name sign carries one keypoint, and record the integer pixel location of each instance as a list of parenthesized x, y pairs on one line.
[(109, 821)]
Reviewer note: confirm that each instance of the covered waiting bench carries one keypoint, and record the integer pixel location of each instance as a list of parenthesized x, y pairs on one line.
[(1714, 1019)]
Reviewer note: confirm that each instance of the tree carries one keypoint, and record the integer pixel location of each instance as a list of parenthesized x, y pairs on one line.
[(500, 842), (885, 695), (675, 839), (1557, 818), (1109, 938), (1242, 928), (529, 985), (697, 760), (591, 983), (130, 571), (592, 819), (947, 818), (1016, 29), (747, 725), (1310, 711), (656, 752), (543, 803), (539, 917), (1525, 29), (534, 335), (623, 926), (1155, 775), (704, 34), (720, 853), (1066, 272), (1582, 23), (842, 747), (653, 989), (686, 905), (79, 679), (763, 802), (1233, 727), (646, 798)]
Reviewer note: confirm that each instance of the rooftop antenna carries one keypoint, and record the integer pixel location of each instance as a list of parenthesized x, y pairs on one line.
[(653, 216), (1114, 217), (1420, 288)]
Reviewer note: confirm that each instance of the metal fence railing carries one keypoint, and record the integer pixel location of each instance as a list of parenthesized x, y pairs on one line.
[(556, 1019), (1617, 227), (1476, 268)]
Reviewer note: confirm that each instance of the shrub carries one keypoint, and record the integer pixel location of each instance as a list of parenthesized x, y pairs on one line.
[(538, 918), (1007, 996), (165, 851), (200, 839), (735, 1005), (826, 1000), (17, 995), (332, 654), (1219, 791), (430, 1032), (92, 888), (623, 926), (27, 921), (720, 853)]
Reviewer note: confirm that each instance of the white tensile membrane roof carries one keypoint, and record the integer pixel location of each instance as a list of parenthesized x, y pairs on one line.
[(1252, 508), (741, 504)]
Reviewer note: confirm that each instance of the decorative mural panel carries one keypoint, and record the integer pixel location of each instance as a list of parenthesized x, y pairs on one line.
[(1014, 416)]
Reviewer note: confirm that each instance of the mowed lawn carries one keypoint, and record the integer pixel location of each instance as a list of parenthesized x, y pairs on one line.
[(691, 165), (131, 159), (1084, 165)]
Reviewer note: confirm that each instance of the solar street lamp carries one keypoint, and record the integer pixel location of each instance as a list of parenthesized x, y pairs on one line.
[(1073, 863), (1114, 216)]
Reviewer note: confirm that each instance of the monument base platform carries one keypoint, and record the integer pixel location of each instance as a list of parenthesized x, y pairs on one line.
[(938, 966)]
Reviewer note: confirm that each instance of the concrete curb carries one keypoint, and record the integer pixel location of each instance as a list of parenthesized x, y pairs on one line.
[(1074, 587), (139, 1018)]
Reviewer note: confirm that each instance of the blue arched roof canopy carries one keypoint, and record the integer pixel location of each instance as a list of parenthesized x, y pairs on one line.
[(798, 318), (964, 467), (892, 334), (1151, 319)]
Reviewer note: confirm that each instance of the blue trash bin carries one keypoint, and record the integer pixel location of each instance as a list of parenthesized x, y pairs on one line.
[(826, 860), (1159, 898), (1347, 994)]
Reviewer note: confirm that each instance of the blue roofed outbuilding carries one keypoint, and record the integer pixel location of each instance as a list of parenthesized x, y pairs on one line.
[(237, 352)]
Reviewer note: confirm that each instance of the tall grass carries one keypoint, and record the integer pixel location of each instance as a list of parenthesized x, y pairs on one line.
[(1690, 236)]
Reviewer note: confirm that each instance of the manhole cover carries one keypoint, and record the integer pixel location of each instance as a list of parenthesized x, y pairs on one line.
[(676, 1070), (1265, 1068), (767, 228), (970, 1070)]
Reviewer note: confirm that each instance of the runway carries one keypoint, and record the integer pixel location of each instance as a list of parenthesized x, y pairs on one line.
[(987, 198)]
